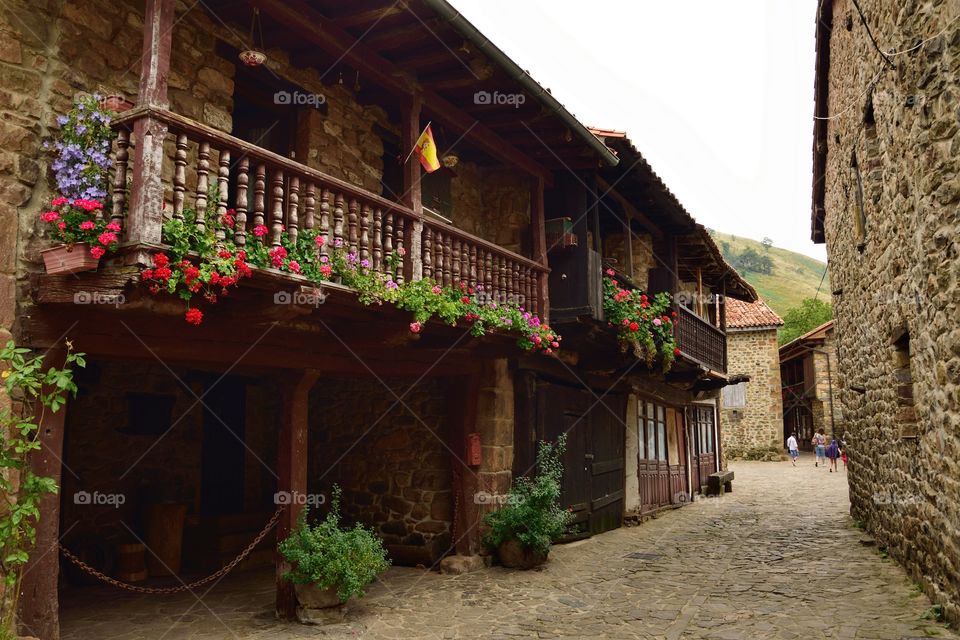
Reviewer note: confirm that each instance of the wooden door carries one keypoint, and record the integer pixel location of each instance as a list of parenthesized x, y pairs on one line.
[(593, 463), (704, 461), (653, 469)]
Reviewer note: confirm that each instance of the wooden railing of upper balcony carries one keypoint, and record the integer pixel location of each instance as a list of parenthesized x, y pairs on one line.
[(701, 341), (288, 196)]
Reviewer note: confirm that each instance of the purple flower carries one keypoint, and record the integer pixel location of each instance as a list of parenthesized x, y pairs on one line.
[(323, 259), (338, 242), (392, 285), (365, 264)]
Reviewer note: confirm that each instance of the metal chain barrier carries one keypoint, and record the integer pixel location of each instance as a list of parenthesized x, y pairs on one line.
[(183, 587)]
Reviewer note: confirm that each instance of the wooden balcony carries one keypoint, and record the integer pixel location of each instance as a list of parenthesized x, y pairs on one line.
[(180, 160), (700, 341)]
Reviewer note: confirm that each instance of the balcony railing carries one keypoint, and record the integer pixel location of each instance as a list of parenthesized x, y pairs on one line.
[(285, 196), (701, 341)]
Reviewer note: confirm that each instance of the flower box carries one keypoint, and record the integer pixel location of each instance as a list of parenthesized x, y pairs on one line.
[(69, 258)]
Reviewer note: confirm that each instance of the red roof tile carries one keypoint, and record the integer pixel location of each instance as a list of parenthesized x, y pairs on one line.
[(750, 315)]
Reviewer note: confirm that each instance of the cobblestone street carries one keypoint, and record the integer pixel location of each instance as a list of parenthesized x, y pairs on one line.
[(778, 558)]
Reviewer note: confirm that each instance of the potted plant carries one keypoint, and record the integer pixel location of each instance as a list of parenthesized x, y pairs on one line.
[(83, 235), (524, 528), (331, 564)]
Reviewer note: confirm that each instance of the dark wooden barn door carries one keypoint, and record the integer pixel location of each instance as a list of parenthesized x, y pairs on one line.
[(704, 446), (653, 468), (593, 463)]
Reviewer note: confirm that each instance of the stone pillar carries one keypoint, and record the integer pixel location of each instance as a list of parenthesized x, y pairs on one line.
[(631, 496)]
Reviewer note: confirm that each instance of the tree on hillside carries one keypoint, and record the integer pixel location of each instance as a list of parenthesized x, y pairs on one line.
[(808, 316), (749, 260), (767, 243)]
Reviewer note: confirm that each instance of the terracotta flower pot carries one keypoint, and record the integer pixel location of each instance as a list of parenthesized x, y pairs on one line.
[(69, 258), (116, 103), (514, 555)]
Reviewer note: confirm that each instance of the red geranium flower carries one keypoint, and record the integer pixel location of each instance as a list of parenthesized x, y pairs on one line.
[(194, 316)]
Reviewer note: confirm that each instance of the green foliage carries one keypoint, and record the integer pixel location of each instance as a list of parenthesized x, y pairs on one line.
[(750, 260), (28, 381), (532, 514), (808, 316), (326, 555), (642, 323)]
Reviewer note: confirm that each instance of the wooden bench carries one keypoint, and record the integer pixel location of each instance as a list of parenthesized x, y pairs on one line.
[(719, 482)]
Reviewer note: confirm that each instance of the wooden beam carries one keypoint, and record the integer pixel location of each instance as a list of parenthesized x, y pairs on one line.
[(462, 412), (155, 63), (411, 196), (366, 17), (304, 21), (292, 475), (388, 39), (539, 244), (649, 225), (39, 607)]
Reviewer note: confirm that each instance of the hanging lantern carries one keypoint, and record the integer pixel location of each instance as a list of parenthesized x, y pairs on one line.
[(254, 57)]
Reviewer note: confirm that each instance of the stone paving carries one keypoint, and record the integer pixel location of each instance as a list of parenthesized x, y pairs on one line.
[(778, 558)]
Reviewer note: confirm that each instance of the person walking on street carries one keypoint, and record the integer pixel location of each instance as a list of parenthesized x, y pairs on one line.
[(833, 452), (794, 448), (819, 442)]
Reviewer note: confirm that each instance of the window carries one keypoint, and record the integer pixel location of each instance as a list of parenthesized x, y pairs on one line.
[(651, 433), (661, 434), (903, 380), (652, 429), (435, 192), (859, 215), (703, 417), (735, 396)]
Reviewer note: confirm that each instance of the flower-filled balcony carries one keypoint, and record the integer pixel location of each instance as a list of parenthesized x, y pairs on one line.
[(199, 211), (657, 328)]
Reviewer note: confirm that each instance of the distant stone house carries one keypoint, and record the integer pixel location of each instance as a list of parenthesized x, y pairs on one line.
[(886, 187), (751, 409), (808, 366)]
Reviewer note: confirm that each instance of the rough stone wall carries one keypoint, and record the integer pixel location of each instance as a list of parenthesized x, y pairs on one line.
[(495, 420), (906, 491), (826, 387), (389, 459), (493, 204), (642, 253), (758, 426)]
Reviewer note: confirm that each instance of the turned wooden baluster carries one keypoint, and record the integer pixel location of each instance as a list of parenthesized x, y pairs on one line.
[(378, 240), (338, 220), (427, 252), (515, 282), (120, 176), (401, 221), (473, 265), (179, 176), (240, 228), (259, 189), (488, 274), (526, 287), (438, 265), (455, 267), (203, 184), (276, 208), (223, 192), (309, 206), (388, 234), (325, 222), (352, 208), (447, 261), (465, 263), (293, 209), (365, 214)]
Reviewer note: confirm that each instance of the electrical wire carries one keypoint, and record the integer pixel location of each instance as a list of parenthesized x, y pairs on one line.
[(863, 19)]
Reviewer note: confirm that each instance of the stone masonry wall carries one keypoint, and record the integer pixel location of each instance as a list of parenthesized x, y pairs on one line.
[(758, 426), (902, 275), (389, 459)]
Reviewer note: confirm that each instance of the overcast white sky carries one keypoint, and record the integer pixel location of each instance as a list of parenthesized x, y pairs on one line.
[(718, 96)]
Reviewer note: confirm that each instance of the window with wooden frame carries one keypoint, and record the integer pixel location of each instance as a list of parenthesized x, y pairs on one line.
[(704, 420), (652, 429)]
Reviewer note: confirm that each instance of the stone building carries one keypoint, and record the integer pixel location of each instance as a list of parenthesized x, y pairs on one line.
[(287, 388), (808, 371), (886, 187), (752, 410)]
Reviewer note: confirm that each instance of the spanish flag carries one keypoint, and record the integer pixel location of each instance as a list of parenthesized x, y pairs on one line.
[(426, 150)]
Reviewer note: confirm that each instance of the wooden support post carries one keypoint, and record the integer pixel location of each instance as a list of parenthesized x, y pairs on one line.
[(412, 195), (539, 244), (462, 409), (39, 609), (292, 475), (627, 244), (145, 218)]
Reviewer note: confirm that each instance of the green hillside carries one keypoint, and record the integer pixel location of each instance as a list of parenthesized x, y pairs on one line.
[(793, 276)]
